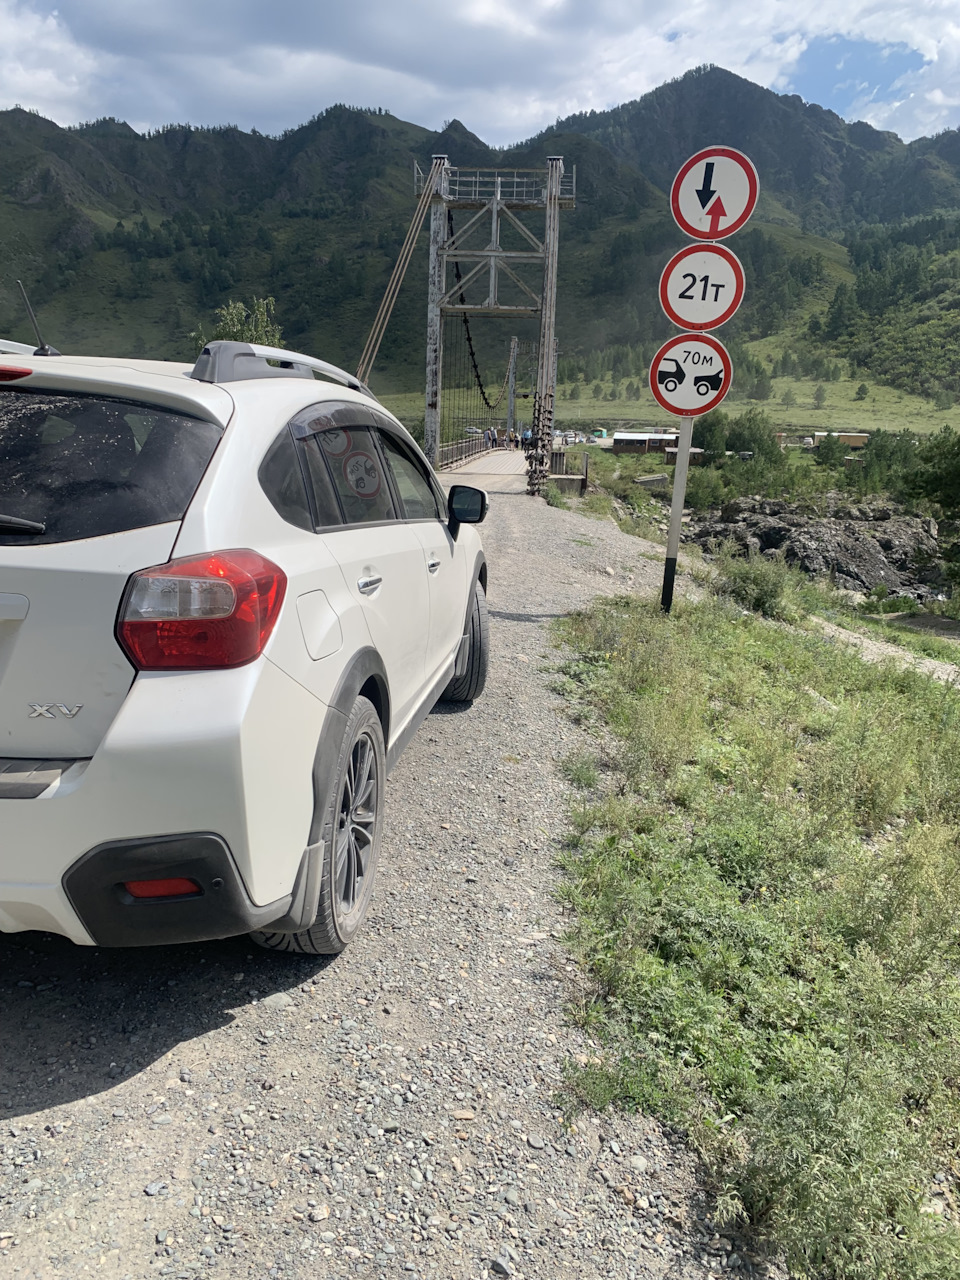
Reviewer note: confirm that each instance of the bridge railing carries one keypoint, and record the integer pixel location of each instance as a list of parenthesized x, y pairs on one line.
[(454, 452)]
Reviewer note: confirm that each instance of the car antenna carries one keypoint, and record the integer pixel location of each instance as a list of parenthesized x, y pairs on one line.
[(42, 348)]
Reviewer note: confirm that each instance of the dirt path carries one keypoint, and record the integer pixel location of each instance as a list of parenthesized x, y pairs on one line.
[(882, 650), (218, 1110)]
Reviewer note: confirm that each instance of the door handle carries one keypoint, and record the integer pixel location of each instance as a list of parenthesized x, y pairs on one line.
[(433, 564), (367, 586)]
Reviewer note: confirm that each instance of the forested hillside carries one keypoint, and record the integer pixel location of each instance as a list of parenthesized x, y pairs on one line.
[(129, 242)]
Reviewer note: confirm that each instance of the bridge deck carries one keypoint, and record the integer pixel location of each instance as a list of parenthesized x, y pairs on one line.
[(499, 471)]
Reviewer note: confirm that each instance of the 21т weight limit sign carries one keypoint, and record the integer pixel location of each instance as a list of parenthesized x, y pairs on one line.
[(701, 286)]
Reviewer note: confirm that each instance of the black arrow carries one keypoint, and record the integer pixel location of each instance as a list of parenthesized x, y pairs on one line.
[(706, 193)]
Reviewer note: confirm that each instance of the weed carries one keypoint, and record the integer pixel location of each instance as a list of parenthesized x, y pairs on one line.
[(770, 916), (553, 497), (581, 770)]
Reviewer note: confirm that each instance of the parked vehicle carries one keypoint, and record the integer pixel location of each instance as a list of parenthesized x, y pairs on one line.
[(229, 594)]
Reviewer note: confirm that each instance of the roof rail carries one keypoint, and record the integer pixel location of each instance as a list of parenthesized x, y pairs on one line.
[(237, 361), (16, 348)]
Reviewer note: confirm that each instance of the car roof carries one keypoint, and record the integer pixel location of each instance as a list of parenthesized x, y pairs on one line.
[(169, 384), (159, 382)]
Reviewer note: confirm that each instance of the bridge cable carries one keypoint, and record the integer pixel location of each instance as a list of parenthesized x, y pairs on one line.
[(375, 336)]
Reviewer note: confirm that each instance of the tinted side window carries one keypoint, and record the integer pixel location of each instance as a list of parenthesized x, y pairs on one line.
[(416, 492), (355, 467), (281, 479), (324, 495), (86, 466)]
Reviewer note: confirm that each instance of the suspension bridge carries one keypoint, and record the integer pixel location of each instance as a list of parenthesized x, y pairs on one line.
[(486, 265)]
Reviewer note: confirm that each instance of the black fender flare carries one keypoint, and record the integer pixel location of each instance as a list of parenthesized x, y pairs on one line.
[(365, 671), (479, 575)]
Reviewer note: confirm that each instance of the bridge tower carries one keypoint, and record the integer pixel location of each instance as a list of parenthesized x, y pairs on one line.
[(495, 197)]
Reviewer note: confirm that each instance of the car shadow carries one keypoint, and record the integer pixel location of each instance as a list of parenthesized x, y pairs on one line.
[(76, 1021)]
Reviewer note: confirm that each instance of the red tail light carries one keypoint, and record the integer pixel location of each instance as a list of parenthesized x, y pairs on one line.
[(174, 887), (8, 374), (201, 612)]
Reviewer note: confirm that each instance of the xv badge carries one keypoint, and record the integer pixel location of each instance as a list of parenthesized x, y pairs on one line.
[(47, 710)]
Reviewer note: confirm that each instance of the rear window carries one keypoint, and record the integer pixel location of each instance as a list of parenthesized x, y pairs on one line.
[(86, 466)]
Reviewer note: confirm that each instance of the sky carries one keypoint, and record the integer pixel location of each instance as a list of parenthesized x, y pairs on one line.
[(505, 68)]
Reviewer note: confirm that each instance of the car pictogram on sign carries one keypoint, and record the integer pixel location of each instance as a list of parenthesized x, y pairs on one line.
[(708, 382), (714, 193), (691, 374), (670, 379)]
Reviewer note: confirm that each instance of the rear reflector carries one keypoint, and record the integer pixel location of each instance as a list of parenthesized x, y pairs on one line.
[(202, 612), (175, 887), (8, 374)]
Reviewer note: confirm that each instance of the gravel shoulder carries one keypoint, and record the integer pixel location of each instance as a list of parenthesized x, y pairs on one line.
[(216, 1109)]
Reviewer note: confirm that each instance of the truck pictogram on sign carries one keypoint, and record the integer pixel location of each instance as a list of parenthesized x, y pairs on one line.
[(714, 193), (691, 374)]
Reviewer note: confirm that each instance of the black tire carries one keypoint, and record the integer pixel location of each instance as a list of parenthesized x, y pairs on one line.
[(470, 685), (352, 830)]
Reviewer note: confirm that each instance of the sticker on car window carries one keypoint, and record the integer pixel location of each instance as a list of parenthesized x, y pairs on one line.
[(362, 474), (336, 443)]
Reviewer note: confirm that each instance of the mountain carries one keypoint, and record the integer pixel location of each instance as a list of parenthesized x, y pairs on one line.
[(824, 173), (128, 242)]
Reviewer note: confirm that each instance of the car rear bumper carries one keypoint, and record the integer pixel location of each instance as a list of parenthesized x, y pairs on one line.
[(227, 752), (217, 906)]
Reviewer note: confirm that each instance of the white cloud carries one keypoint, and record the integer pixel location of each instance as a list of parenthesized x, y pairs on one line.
[(506, 70)]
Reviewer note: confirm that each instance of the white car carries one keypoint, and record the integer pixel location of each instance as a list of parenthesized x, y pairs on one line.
[(229, 594)]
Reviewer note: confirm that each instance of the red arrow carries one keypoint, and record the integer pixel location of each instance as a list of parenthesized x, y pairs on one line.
[(715, 213)]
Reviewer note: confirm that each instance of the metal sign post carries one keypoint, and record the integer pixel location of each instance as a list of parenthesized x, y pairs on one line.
[(712, 196), (676, 513)]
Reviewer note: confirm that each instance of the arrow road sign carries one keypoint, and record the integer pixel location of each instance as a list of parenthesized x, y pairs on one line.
[(701, 286), (691, 374), (714, 193)]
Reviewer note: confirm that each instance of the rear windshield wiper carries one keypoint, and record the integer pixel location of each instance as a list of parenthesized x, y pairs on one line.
[(11, 524)]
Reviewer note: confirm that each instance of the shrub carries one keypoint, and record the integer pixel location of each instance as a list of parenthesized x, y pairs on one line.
[(757, 582)]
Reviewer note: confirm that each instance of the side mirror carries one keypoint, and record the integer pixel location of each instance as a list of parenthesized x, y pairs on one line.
[(466, 506)]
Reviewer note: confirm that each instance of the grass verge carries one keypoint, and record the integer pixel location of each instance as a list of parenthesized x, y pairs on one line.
[(769, 912)]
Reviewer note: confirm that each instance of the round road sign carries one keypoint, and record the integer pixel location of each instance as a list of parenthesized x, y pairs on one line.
[(701, 286), (714, 193), (691, 374)]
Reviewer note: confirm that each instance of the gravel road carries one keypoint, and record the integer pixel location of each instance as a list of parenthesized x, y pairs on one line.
[(219, 1110)]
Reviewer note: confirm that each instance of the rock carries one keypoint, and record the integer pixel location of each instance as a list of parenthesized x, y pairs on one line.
[(501, 1267), (279, 1000), (639, 1164), (608, 571), (535, 1141), (154, 1188), (858, 547)]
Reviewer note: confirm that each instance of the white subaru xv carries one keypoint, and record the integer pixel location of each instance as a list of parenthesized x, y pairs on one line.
[(229, 594)]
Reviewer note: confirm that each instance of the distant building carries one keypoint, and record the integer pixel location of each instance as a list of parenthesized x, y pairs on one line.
[(696, 456), (852, 439), (644, 441)]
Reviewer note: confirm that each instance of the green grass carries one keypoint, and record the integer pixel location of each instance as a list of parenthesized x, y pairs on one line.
[(769, 914), (884, 407)]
